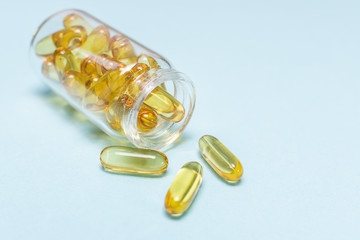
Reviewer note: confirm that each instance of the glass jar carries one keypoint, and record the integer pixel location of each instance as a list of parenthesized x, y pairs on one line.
[(123, 87)]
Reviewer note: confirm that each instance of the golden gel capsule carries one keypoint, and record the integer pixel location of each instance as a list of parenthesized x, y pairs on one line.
[(106, 63), (151, 62), (122, 49), (45, 47), (97, 41), (119, 159), (114, 115), (74, 19), (71, 37), (165, 105), (220, 158), (48, 69), (138, 69), (65, 61), (106, 89), (147, 119), (183, 189), (75, 83), (88, 66)]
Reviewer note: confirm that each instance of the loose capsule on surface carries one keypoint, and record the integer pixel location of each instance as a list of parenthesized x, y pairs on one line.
[(119, 159), (219, 157), (183, 189)]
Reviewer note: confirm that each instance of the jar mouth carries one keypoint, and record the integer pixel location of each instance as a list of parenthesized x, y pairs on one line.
[(166, 132)]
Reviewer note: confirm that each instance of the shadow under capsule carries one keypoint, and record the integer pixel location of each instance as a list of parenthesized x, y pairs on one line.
[(133, 173)]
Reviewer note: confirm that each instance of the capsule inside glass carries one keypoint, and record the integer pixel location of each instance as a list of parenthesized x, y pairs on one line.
[(121, 86)]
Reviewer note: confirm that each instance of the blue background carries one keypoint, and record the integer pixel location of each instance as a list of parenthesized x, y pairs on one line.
[(277, 82)]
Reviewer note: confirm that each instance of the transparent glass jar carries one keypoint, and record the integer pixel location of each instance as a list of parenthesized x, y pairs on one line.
[(123, 87)]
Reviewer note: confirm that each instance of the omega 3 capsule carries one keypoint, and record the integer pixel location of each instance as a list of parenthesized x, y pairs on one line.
[(120, 159), (224, 162), (183, 189)]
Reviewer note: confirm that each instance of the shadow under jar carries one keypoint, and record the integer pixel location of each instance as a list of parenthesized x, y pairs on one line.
[(123, 87)]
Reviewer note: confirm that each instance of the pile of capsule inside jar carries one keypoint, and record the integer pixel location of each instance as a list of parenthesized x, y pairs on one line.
[(103, 73)]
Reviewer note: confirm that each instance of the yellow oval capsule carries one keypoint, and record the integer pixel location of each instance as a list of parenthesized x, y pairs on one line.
[(147, 119), (98, 40), (48, 69), (105, 63), (122, 49), (219, 157), (105, 90), (75, 83), (114, 115), (183, 189), (88, 66), (119, 159), (71, 37), (165, 105), (64, 61), (74, 19), (150, 61), (45, 47)]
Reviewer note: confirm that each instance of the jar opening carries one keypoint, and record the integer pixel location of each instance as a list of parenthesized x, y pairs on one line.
[(181, 88)]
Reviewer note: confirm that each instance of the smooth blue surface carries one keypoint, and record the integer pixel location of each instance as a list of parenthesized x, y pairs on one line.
[(278, 82)]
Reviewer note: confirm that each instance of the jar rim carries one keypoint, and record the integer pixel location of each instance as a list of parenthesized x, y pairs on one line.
[(159, 138)]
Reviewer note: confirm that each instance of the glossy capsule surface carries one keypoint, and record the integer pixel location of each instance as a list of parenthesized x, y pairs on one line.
[(48, 69), (74, 19), (98, 40), (65, 61), (219, 157), (183, 189), (75, 83), (147, 119), (120, 159), (165, 105)]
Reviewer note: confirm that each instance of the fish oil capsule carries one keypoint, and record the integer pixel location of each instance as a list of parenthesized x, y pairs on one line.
[(106, 89), (75, 83), (165, 105), (71, 37), (48, 69), (74, 19), (88, 66), (98, 40), (139, 69), (183, 189), (114, 115), (122, 49), (67, 38), (147, 119), (119, 159), (106, 63), (65, 61), (219, 157), (150, 61)]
